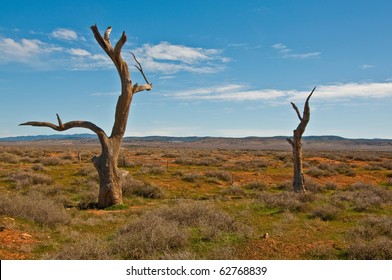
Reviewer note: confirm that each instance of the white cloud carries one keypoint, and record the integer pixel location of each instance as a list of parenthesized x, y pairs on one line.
[(79, 52), (164, 57), (304, 55), (335, 92), (25, 51), (237, 45), (231, 92), (288, 53), (168, 77), (83, 60), (167, 51), (41, 55), (168, 58), (109, 93), (279, 46), (64, 34), (367, 66), (355, 90)]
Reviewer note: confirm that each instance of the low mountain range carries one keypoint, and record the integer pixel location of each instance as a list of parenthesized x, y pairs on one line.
[(327, 142)]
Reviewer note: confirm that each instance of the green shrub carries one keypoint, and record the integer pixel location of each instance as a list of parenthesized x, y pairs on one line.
[(325, 212), (152, 170), (51, 161), (138, 188), (149, 237), (371, 239), (259, 186), (220, 175), (168, 231), (191, 177), (377, 249), (23, 179), (209, 161), (185, 161), (286, 201), (34, 207), (9, 158), (234, 190), (82, 247)]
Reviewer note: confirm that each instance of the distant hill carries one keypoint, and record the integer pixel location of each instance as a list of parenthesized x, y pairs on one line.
[(325, 142), (49, 137)]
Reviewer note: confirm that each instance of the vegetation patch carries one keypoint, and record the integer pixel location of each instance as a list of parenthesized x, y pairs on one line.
[(240, 197)]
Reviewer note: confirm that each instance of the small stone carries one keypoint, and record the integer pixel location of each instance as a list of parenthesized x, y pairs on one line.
[(25, 236), (266, 235)]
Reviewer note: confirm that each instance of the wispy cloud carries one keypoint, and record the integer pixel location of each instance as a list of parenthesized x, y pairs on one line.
[(231, 92), (334, 92), (64, 34), (243, 46), (168, 58), (84, 60), (25, 50), (286, 52), (367, 66), (167, 51), (38, 54), (164, 57), (355, 90), (79, 52), (109, 93)]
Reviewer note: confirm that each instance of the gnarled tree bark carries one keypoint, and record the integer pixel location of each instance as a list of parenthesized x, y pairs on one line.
[(299, 178), (110, 176)]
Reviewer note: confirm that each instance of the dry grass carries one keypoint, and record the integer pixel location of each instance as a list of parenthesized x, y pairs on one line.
[(140, 188), (167, 230), (244, 194), (81, 247), (372, 239), (34, 207), (285, 201), (220, 175)]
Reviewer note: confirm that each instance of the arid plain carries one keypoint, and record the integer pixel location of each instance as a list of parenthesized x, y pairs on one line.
[(200, 199)]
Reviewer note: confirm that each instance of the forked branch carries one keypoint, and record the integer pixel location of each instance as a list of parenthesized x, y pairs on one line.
[(113, 53), (304, 119), (140, 68)]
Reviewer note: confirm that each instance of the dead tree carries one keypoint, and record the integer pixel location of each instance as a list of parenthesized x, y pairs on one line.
[(110, 176), (299, 179)]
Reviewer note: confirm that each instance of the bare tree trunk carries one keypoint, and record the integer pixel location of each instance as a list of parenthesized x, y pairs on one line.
[(111, 178), (299, 178)]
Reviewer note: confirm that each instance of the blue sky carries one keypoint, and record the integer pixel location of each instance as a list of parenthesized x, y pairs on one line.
[(219, 68)]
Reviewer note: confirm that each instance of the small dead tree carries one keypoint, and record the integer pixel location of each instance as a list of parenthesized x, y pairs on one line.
[(299, 179), (110, 176)]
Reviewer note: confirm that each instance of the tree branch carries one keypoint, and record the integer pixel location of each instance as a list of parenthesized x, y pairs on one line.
[(306, 114), (137, 88), (140, 68), (127, 90), (59, 120), (107, 33), (296, 110), (290, 141), (120, 44), (105, 44), (72, 124)]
